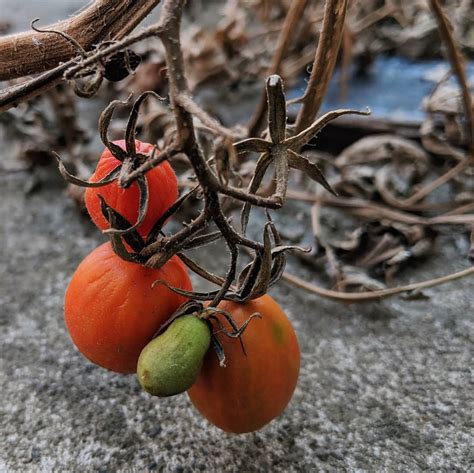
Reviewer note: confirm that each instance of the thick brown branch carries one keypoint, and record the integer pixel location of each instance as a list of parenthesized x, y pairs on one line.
[(14, 95), (170, 37), (32, 52)]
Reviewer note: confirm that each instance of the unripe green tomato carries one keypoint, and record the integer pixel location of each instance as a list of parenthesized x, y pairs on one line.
[(170, 363)]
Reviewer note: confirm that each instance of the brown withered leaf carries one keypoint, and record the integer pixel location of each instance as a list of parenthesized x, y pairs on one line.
[(149, 76), (204, 57), (381, 148), (443, 131), (381, 166), (380, 249), (232, 31), (355, 279)]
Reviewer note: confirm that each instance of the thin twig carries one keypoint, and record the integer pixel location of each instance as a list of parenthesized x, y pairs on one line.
[(292, 19), (369, 209), (192, 107), (324, 62), (443, 179), (457, 64), (373, 17), (374, 295)]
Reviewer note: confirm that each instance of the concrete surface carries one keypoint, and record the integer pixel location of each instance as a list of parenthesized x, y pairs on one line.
[(383, 387)]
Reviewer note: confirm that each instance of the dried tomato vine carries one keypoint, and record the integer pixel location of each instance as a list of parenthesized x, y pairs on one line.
[(281, 151)]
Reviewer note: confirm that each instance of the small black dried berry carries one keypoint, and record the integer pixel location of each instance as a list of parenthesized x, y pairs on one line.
[(119, 65)]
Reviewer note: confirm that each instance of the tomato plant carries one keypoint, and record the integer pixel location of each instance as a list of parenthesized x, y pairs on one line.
[(112, 311), (162, 185), (254, 387)]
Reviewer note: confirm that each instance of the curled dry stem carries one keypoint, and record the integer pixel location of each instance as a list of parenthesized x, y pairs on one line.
[(378, 294)]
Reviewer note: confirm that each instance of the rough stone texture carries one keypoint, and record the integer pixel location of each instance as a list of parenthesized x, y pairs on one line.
[(383, 386)]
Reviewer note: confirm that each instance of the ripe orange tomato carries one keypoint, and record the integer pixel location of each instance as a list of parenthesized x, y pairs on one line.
[(255, 388), (162, 188), (111, 310)]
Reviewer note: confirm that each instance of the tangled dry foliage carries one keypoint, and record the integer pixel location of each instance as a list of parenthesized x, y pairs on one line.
[(384, 180)]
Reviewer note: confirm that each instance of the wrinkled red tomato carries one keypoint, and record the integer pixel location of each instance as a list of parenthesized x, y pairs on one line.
[(162, 185), (111, 310), (255, 388)]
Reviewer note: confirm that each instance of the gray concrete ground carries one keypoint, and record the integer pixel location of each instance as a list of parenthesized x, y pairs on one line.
[(383, 386)]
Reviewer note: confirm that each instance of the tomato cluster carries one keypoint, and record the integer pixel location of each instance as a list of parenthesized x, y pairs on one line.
[(111, 309), (113, 313)]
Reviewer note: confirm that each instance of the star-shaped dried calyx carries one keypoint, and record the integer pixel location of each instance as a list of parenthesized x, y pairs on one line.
[(255, 279), (144, 250), (283, 151), (208, 314)]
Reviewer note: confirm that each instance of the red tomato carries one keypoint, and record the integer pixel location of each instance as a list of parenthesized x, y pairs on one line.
[(111, 310), (162, 186), (255, 388)]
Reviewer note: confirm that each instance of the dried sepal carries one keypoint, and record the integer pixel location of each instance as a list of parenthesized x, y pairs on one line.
[(265, 269), (142, 208), (217, 295), (303, 164), (160, 223), (237, 331), (196, 295), (200, 271), (224, 156), (219, 350), (230, 276), (104, 123), (276, 109), (260, 169), (108, 179), (299, 140), (248, 275), (281, 172), (256, 145), (132, 121), (117, 243), (257, 286), (191, 307), (279, 261), (132, 238), (282, 151), (202, 240)]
